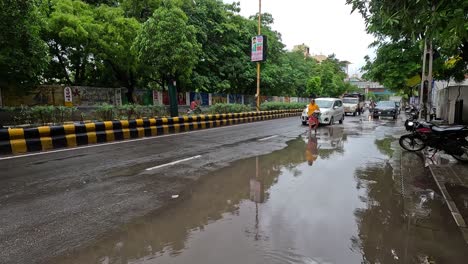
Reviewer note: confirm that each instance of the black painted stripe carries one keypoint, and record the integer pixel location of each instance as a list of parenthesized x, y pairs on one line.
[(31, 133), (57, 133), (99, 127), (171, 129), (118, 134), (146, 123), (101, 136), (132, 124), (4, 135), (133, 132), (33, 144), (148, 132), (81, 135), (160, 130), (5, 147)]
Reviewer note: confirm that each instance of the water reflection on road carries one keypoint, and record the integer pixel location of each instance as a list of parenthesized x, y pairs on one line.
[(329, 198)]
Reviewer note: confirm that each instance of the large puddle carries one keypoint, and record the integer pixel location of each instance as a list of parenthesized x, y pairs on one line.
[(332, 198)]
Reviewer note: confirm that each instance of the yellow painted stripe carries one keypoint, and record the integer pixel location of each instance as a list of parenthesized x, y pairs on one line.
[(16, 133), (203, 124), (176, 119), (195, 125), (210, 117), (177, 128), (92, 138), (166, 129), (186, 119), (218, 122), (44, 136), (217, 116), (141, 132), (230, 115), (126, 132), (152, 121), (108, 125), (18, 146), (139, 122), (46, 143), (90, 128), (186, 125), (124, 124), (71, 140), (154, 131), (164, 120), (69, 129), (109, 131), (44, 131)]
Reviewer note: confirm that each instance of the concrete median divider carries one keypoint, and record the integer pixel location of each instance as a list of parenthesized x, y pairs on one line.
[(22, 140)]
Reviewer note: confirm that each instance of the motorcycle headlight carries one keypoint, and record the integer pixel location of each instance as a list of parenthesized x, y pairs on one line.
[(410, 124)]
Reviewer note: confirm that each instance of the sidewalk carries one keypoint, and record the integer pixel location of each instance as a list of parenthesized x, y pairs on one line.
[(452, 179)]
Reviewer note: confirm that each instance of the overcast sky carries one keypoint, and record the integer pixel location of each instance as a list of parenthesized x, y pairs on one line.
[(326, 26)]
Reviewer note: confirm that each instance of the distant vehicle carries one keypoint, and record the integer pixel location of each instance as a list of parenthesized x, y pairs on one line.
[(386, 108), (353, 103), (397, 100), (331, 110)]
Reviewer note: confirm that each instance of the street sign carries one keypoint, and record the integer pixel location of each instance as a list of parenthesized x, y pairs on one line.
[(259, 48), (67, 92)]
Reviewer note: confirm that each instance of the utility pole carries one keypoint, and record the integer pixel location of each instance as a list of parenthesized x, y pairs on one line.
[(258, 63), (425, 94)]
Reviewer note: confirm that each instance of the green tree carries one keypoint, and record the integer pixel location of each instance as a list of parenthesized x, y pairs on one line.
[(112, 50), (167, 46), (394, 65), (70, 30), (314, 86), (23, 54), (443, 22)]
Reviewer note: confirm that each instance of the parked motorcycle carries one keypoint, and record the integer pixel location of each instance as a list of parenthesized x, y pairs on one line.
[(451, 139)]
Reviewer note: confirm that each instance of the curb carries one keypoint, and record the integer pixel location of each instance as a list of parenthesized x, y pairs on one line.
[(23, 140), (441, 175)]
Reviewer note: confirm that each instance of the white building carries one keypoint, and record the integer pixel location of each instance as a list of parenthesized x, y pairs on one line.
[(445, 96)]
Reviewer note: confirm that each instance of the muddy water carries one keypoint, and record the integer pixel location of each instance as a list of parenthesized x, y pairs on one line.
[(333, 198)]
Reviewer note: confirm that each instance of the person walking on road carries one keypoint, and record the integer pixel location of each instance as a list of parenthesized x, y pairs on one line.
[(313, 111)]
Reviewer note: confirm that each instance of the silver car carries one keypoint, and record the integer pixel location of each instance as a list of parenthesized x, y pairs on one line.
[(331, 110)]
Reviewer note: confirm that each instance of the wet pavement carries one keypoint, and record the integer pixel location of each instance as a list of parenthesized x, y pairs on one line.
[(346, 195)]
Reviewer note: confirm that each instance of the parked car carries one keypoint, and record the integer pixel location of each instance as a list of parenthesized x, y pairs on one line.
[(331, 110), (386, 108)]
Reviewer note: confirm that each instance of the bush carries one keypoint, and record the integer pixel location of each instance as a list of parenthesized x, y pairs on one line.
[(131, 111), (41, 114), (267, 106), (228, 108), (105, 112), (158, 110), (63, 114)]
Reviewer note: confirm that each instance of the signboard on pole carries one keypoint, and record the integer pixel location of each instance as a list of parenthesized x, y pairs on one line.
[(67, 93), (259, 48)]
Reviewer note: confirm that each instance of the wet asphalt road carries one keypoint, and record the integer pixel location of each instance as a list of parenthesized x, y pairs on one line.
[(260, 193)]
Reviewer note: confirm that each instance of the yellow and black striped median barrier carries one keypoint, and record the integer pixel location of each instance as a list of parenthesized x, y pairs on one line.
[(22, 140)]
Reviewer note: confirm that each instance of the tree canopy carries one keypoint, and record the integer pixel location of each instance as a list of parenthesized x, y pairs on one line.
[(402, 26), (203, 44)]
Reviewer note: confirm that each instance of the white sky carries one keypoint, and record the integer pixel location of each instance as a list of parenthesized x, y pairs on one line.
[(326, 26)]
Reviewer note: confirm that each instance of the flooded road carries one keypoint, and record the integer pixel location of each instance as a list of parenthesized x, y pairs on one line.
[(330, 198)]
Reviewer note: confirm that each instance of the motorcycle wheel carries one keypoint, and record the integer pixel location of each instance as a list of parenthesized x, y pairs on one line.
[(412, 143), (463, 157)]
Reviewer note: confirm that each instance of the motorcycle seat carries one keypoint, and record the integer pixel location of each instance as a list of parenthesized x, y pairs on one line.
[(449, 129)]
